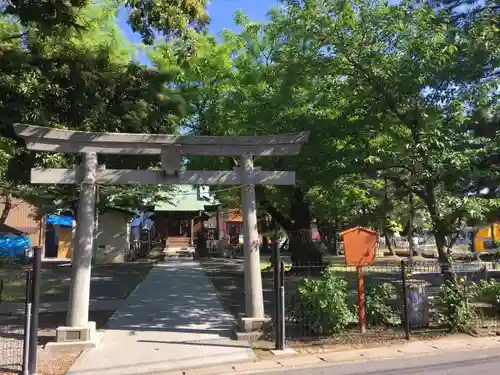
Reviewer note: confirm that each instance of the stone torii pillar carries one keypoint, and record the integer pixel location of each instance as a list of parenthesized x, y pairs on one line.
[(78, 309), (254, 300)]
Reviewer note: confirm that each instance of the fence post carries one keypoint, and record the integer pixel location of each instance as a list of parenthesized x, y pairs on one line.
[(35, 295), (27, 320), (406, 318), (277, 292), (282, 304)]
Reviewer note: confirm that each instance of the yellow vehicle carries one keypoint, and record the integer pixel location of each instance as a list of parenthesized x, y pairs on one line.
[(482, 239)]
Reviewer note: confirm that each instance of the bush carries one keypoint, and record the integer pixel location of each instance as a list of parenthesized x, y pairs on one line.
[(321, 305), (488, 291), (378, 305), (453, 306)]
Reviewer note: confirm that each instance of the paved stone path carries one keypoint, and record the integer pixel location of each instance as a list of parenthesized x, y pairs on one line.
[(173, 320)]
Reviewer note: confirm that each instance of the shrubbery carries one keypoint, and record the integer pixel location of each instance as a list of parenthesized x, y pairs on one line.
[(488, 291), (324, 306), (455, 301), (321, 304), (378, 305), (452, 303)]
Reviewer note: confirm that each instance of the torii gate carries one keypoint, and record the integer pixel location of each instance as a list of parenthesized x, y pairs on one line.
[(171, 148)]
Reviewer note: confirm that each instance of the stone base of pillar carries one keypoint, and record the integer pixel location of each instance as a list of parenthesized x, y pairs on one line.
[(246, 324), (76, 337), (251, 329)]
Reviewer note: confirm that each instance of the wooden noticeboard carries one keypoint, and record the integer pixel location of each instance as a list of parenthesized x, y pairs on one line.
[(359, 251), (359, 246)]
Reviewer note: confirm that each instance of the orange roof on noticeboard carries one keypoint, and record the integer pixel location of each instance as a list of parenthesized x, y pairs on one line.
[(367, 230)]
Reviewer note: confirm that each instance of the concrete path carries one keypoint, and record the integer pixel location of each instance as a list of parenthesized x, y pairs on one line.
[(173, 320)]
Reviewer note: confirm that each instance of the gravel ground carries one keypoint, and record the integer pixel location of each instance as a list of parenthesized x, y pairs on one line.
[(50, 363)]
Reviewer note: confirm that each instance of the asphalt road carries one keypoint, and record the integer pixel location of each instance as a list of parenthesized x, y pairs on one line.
[(460, 363)]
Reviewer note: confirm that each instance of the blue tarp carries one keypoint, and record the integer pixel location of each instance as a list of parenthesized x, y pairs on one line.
[(13, 246), (142, 220), (62, 221)]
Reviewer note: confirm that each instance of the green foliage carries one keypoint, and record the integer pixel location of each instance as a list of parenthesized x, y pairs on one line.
[(321, 304), (488, 291), (454, 310), (378, 305), (81, 79), (167, 17), (385, 90)]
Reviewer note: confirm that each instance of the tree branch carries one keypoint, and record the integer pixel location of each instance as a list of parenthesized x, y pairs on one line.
[(285, 222)]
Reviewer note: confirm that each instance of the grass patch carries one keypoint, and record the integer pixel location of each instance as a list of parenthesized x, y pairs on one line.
[(266, 266)]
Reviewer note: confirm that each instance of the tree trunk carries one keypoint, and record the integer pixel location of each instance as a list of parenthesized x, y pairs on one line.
[(411, 212), (439, 231), (328, 233), (336, 230), (298, 227), (6, 208), (386, 221), (388, 242)]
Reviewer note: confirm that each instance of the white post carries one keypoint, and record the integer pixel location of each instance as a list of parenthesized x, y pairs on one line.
[(78, 309), (254, 301)]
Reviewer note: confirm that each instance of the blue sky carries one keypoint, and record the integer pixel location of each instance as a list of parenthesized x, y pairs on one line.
[(221, 13)]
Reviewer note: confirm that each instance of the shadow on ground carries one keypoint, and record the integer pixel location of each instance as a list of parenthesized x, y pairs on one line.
[(188, 304), (112, 281)]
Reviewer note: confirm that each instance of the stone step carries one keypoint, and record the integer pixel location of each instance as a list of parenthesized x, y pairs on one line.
[(179, 256), (178, 242), (187, 250)]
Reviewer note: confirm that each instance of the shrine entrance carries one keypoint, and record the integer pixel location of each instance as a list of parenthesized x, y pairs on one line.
[(171, 148)]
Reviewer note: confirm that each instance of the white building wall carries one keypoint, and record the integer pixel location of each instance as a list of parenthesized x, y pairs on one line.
[(113, 238)]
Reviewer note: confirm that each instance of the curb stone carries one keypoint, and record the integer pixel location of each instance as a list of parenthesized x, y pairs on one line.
[(413, 349)]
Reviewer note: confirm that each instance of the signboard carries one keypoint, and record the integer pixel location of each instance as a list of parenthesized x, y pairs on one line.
[(359, 246)]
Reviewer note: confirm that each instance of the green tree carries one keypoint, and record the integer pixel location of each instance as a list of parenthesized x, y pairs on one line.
[(82, 79), (147, 18), (409, 87), (386, 91)]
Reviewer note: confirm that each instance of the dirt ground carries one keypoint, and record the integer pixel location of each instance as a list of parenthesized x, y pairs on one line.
[(111, 281)]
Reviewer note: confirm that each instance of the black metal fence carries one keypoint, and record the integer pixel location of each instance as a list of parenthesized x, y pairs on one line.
[(463, 297), (339, 303), (19, 318), (12, 322)]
